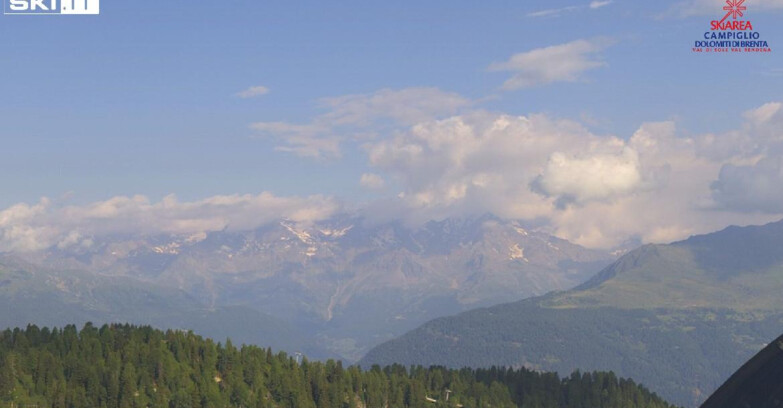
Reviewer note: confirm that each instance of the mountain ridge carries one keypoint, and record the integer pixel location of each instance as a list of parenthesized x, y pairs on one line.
[(653, 314), (344, 281), (46, 297)]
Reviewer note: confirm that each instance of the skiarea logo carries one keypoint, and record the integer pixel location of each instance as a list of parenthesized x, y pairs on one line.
[(732, 33)]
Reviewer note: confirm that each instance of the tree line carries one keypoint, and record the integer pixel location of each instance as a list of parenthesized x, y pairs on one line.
[(126, 366)]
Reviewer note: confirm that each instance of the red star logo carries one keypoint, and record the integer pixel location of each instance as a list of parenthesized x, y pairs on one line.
[(734, 8)]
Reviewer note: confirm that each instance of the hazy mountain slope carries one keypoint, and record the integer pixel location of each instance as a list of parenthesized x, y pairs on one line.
[(347, 282), (758, 383), (30, 294), (666, 315)]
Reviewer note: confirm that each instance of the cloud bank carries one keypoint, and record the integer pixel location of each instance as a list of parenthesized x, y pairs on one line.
[(25, 227), (436, 156), (597, 190)]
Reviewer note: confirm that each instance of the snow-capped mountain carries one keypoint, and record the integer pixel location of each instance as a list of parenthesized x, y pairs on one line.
[(349, 283)]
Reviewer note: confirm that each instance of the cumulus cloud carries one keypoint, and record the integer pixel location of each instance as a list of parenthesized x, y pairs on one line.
[(25, 227), (598, 190), (769, 113), (480, 162), (584, 178), (558, 63), (253, 91), (758, 137), (657, 185), (751, 188), (360, 115), (372, 181)]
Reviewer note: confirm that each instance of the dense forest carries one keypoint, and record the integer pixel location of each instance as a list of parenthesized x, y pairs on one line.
[(124, 366), (682, 354)]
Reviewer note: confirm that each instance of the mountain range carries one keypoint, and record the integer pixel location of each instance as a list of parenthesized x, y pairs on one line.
[(31, 294), (332, 288), (679, 318)]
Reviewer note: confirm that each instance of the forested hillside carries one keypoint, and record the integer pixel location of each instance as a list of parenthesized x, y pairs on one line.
[(680, 318), (123, 366)]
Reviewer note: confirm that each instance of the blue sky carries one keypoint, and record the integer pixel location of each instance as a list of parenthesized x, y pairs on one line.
[(142, 99)]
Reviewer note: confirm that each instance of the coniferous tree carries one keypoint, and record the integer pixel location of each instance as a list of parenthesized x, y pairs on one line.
[(122, 366)]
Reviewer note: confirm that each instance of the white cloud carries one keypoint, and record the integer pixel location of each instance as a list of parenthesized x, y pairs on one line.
[(599, 4), (765, 114), (406, 106), (553, 12), (751, 176), (350, 116), (312, 140), (556, 12), (582, 178), (25, 227), (253, 91), (558, 63), (480, 162), (372, 181), (596, 190)]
